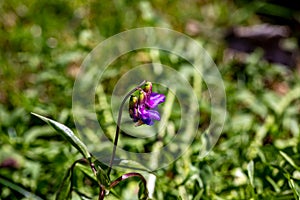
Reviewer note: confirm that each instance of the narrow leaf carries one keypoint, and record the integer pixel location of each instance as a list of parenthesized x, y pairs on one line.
[(295, 188), (288, 98), (64, 190), (289, 160), (27, 194), (102, 177), (273, 183), (87, 171), (143, 192), (250, 168), (67, 134)]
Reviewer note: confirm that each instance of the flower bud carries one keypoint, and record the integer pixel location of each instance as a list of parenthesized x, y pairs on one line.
[(133, 107), (142, 97), (148, 87)]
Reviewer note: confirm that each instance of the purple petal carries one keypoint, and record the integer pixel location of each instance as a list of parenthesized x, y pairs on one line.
[(149, 122), (147, 116), (154, 114), (143, 113), (155, 99)]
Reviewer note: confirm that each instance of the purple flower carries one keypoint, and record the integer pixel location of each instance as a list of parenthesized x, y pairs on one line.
[(143, 104)]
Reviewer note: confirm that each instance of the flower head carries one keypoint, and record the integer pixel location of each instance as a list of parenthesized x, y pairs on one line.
[(143, 104)]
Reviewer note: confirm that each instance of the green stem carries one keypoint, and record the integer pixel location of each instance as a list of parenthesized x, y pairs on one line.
[(119, 124)]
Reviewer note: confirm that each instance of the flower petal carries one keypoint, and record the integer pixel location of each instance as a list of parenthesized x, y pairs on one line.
[(153, 114), (143, 113), (147, 116), (155, 99), (149, 122)]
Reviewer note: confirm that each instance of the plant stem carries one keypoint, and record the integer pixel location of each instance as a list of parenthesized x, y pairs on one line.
[(101, 193), (126, 176), (92, 165), (119, 124)]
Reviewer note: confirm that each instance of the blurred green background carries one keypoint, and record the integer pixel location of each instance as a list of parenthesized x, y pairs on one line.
[(257, 157)]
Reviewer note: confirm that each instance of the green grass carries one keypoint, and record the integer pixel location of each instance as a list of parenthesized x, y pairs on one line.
[(43, 44)]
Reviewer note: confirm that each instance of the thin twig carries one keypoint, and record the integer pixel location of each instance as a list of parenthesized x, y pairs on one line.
[(119, 124)]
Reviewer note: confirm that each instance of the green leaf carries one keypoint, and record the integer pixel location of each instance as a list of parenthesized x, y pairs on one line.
[(102, 177), (273, 183), (252, 102), (143, 191), (289, 160), (250, 168), (67, 187), (68, 135), (64, 191), (288, 98), (18, 189), (101, 173), (295, 187), (87, 171)]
